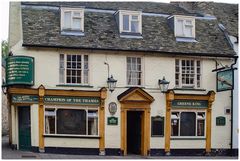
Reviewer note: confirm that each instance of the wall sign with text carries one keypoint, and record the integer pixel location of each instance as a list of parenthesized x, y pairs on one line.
[(56, 100), (189, 104), (20, 70)]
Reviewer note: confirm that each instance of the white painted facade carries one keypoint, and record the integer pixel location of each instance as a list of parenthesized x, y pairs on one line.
[(154, 68)]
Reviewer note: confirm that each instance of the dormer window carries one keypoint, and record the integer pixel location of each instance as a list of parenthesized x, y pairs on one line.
[(72, 19), (130, 22), (184, 26)]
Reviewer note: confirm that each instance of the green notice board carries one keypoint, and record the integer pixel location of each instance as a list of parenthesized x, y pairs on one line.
[(220, 121), (20, 70), (112, 121)]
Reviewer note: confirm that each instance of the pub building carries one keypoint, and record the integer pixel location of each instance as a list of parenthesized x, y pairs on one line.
[(118, 78)]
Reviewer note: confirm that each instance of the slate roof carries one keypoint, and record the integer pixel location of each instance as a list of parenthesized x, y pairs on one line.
[(41, 27), (151, 7)]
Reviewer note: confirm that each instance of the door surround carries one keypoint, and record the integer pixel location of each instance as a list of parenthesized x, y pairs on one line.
[(136, 99)]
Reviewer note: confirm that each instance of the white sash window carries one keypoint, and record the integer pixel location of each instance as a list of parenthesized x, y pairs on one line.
[(72, 19)]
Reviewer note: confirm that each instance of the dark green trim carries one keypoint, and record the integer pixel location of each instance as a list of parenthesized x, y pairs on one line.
[(72, 85), (61, 136), (187, 138)]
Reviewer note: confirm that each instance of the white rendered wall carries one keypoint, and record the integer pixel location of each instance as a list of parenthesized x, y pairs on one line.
[(154, 68), (34, 125), (235, 96), (71, 142)]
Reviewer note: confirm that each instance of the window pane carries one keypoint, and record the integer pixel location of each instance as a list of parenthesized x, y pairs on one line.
[(157, 126), (126, 22), (78, 79), (69, 79), (78, 65), (188, 22), (174, 127), (200, 127), (74, 57), (188, 31), (134, 17), (85, 61), (74, 79), (50, 121), (61, 60), (76, 14), (74, 65), (71, 121), (92, 122), (188, 124), (77, 23), (179, 28), (74, 72), (67, 20), (69, 57), (79, 73), (128, 60), (85, 77), (61, 76), (134, 26), (79, 58)]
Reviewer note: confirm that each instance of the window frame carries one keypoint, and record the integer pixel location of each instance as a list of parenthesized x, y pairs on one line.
[(65, 70), (196, 74), (86, 108), (130, 14), (184, 18), (142, 71), (196, 111), (72, 10)]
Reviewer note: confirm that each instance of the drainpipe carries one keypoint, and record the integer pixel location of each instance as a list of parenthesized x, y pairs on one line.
[(235, 61)]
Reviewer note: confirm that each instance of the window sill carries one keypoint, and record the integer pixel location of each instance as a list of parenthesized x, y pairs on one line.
[(157, 136), (71, 136), (188, 138), (130, 86), (131, 35), (185, 39), (72, 33), (188, 89), (73, 85)]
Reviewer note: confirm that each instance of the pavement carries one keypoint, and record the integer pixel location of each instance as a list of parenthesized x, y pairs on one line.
[(8, 153)]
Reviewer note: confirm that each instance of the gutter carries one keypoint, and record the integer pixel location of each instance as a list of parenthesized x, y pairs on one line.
[(134, 50)]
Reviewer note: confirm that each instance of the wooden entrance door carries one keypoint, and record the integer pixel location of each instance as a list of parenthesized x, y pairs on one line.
[(24, 127)]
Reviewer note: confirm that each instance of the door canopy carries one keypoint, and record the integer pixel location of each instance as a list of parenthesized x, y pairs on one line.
[(135, 94)]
